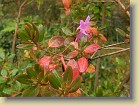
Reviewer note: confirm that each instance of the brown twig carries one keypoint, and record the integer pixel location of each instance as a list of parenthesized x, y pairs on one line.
[(98, 60), (16, 28), (109, 54), (122, 6), (115, 44)]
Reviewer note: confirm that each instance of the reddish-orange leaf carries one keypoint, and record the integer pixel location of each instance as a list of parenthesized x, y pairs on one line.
[(66, 3), (91, 30), (72, 54), (91, 48), (102, 37), (90, 69), (83, 64), (56, 41)]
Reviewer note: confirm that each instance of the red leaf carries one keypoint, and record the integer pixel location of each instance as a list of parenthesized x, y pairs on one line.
[(90, 69), (75, 68), (72, 54), (44, 61), (91, 48), (56, 41), (83, 64), (52, 67)]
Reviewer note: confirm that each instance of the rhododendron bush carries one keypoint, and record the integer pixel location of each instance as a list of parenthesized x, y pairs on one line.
[(60, 60)]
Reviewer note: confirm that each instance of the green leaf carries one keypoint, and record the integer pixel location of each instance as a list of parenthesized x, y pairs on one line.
[(67, 31), (54, 80), (120, 31), (2, 80), (57, 75), (38, 69), (31, 73), (2, 54), (24, 46), (45, 79), (120, 61), (68, 75), (8, 91), (75, 85), (14, 72), (23, 35), (36, 32), (23, 79), (40, 76), (31, 92), (41, 32), (4, 72), (11, 56)]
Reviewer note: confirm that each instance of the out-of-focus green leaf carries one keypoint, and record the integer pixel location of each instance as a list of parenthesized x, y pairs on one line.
[(54, 80), (13, 72), (120, 31), (11, 56), (24, 46), (38, 68), (75, 85), (2, 80), (8, 91), (23, 79), (68, 75), (4, 72), (120, 61), (31, 92), (23, 35), (2, 54), (41, 29), (67, 31), (31, 73)]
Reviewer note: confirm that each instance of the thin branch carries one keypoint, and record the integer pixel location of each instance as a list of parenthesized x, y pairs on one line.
[(122, 6), (98, 60), (115, 44), (109, 54), (17, 23)]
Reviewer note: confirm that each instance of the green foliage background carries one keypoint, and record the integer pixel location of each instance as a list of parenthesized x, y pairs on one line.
[(50, 13)]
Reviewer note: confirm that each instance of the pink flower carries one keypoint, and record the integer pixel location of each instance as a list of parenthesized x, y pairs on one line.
[(83, 28)]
